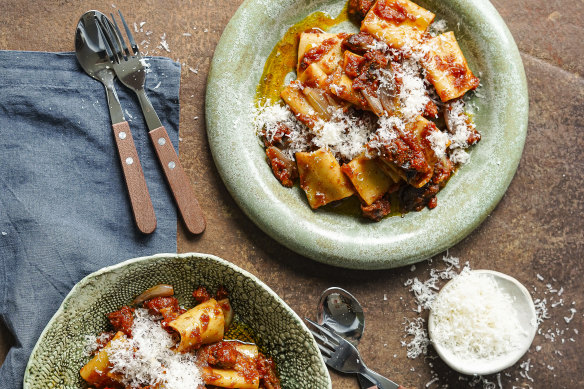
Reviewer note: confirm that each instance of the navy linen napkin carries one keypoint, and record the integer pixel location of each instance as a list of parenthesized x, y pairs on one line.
[(64, 208)]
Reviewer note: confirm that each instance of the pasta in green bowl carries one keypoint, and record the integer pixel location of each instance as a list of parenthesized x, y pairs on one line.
[(259, 316), (324, 226)]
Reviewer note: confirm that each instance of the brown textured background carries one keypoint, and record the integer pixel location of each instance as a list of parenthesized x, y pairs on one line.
[(536, 229)]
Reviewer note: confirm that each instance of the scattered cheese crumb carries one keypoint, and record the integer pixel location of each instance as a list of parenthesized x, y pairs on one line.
[(438, 27), (569, 319), (418, 345), (163, 43)]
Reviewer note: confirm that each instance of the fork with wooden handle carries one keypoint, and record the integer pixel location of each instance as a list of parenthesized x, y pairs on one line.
[(130, 68)]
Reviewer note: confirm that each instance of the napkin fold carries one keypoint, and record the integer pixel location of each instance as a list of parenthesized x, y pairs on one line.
[(64, 208)]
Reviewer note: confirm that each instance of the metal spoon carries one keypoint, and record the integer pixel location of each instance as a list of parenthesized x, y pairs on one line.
[(340, 311), (91, 52)]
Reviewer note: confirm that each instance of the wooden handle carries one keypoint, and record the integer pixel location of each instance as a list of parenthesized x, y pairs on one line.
[(137, 189), (179, 181)]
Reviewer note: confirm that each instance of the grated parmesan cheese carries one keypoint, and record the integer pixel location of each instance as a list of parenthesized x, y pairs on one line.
[(413, 96), (344, 135), (459, 156), (378, 46), (147, 358), (387, 131), (419, 343), (92, 342), (439, 142), (412, 93), (268, 117), (475, 319), (438, 27), (458, 124), (163, 43)]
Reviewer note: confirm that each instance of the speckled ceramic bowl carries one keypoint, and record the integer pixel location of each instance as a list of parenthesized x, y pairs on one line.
[(59, 353), (345, 240)]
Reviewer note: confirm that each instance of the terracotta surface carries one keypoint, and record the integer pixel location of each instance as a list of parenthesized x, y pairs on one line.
[(537, 228)]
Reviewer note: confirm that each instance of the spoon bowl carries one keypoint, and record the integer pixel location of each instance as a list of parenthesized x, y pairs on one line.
[(342, 313), (90, 48), (523, 305)]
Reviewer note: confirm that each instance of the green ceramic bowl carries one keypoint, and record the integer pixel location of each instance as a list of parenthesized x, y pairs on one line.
[(59, 352), (345, 240)]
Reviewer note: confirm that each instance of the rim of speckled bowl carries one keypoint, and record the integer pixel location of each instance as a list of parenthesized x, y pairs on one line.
[(195, 256), (344, 240)]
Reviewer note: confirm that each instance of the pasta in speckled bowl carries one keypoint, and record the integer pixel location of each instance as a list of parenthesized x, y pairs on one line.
[(61, 350), (333, 236)]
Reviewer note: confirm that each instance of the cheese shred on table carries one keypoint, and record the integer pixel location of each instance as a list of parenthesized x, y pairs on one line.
[(475, 319)]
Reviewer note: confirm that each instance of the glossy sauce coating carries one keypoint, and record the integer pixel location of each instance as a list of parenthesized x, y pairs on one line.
[(458, 71), (316, 53), (396, 13), (282, 59)]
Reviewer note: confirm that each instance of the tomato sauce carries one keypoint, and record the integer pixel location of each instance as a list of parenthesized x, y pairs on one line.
[(395, 12), (122, 320), (353, 65), (316, 53)]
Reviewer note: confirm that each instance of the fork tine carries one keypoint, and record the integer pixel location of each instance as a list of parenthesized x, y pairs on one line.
[(115, 38), (119, 33), (324, 339), (323, 344), (332, 338), (106, 41), (129, 34), (109, 40), (324, 352)]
